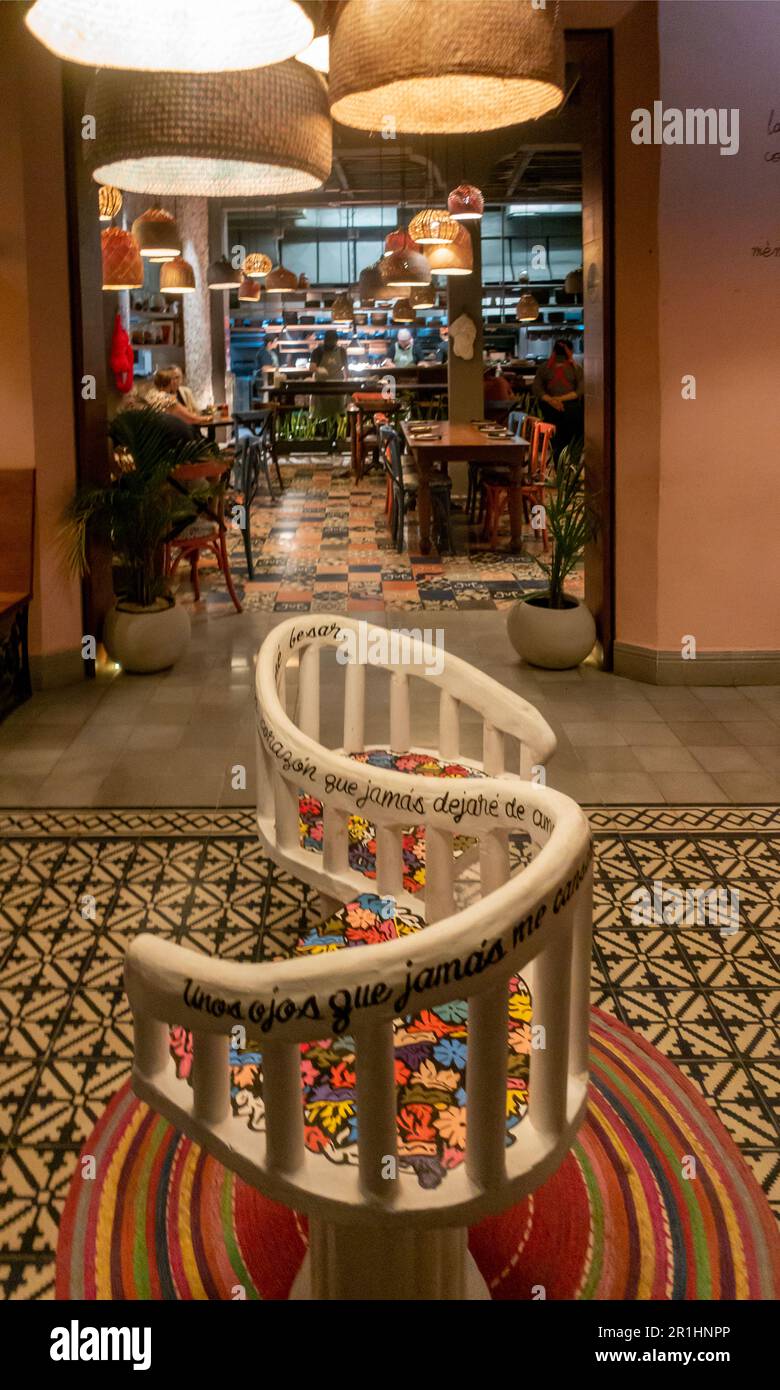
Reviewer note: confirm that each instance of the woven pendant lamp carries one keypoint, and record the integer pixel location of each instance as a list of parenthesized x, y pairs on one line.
[(403, 311), (210, 134), (370, 284), (143, 34), (453, 257), (465, 203), (222, 276), (432, 227), (527, 306), (256, 266), (177, 277), (341, 310), (157, 235), (573, 283), (123, 268), (109, 202), (399, 240), (249, 290), (281, 281), (475, 66), (403, 269), (422, 297)]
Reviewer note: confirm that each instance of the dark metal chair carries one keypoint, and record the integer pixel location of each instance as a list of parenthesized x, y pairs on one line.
[(404, 483), (255, 456)]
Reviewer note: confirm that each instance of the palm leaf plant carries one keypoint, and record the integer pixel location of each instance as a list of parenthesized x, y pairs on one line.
[(571, 521), (139, 507)]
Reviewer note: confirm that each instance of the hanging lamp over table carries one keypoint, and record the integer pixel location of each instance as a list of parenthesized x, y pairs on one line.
[(210, 134), (469, 66)]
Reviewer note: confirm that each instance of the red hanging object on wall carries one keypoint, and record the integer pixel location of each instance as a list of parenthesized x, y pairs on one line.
[(121, 358)]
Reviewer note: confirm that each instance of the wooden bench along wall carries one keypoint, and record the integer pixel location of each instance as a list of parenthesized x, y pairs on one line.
[(17, 522)]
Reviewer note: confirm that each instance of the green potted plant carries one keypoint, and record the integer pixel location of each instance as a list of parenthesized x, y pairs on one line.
[(137, 510), (552, 628)]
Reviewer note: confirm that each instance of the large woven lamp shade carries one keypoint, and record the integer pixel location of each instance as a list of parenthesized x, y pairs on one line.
[(432, 227), (210, 134), (399, 240), (403, 269), (249, 290), (157, 235), (452, 257), (465, 203), (175, 36), (527, 306), (123, 268), (177, 277), (422, 297), (450, 65), (370, 284), (109, 202), (403, 311), (256, 265), (341, 310)]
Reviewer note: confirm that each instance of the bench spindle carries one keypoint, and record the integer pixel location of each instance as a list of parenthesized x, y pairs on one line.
[(283, 1106), (354, 708), (210, 1077), (550, 983), (309, 692), (439, 874), (486, 1086), (492, 750), (151, 1045), (286, 812), (376, 1107), (449, 725), (399, 712)]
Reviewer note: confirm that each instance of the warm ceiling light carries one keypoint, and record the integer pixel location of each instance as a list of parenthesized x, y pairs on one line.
[(527, 306), (403, 311), (465, 67), (573, 282), (317, 55), (256, 266), (109, 202), (422, 297), (123, 268), (432, 227), (210, 134), (222, 276), (403, 269), (452, 257), (157, 235), (370, 284), (465, 203), (249, 290), (399, 240), (177, 37), (281, 281), (177, 277), (341, 310)]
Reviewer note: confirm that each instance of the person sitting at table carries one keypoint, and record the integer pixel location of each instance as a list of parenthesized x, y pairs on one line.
[(163, 396), (495, 386), (559, 387)]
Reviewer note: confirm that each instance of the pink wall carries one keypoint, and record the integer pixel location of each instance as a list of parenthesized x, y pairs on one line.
[(719, 312), (35, 347)]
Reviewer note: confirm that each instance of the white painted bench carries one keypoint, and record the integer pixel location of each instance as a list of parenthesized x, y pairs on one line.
[(376, 1230)]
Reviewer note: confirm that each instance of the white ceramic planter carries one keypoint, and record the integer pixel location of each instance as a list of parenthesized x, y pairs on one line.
[(555, 638), (146, 639)]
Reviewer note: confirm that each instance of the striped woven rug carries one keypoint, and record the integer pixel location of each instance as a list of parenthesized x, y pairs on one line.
[(654, 1202)]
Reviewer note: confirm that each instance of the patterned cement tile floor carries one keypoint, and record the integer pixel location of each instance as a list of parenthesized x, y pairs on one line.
[(325, 547), (709, 1002)]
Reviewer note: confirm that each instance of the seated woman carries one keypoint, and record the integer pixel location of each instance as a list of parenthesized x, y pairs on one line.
[(558, 386), (163, 396)]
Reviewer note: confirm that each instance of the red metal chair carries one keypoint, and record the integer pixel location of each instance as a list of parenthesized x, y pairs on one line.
[(207, 532), (532, 492)]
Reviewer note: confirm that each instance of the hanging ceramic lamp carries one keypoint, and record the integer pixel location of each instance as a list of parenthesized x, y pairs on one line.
[(222, 276), (157, 235), (249, 290), (432, 227), (109, 202), (123, 268), (281, 281), (527, 306), (341, 310), (210, 134), (453, 257), (143, 34), (401, 270), (465, 67), (465, 203), (177, 277), (256, 266)]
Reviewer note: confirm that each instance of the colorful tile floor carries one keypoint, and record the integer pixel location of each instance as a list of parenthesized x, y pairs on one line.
[(708, 1001), (325, 546)]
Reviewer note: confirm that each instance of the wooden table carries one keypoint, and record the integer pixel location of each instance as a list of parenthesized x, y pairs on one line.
[(464, 443)]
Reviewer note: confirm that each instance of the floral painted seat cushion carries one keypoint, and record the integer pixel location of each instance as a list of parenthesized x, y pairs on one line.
[(361, 832), (431, 1055)]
